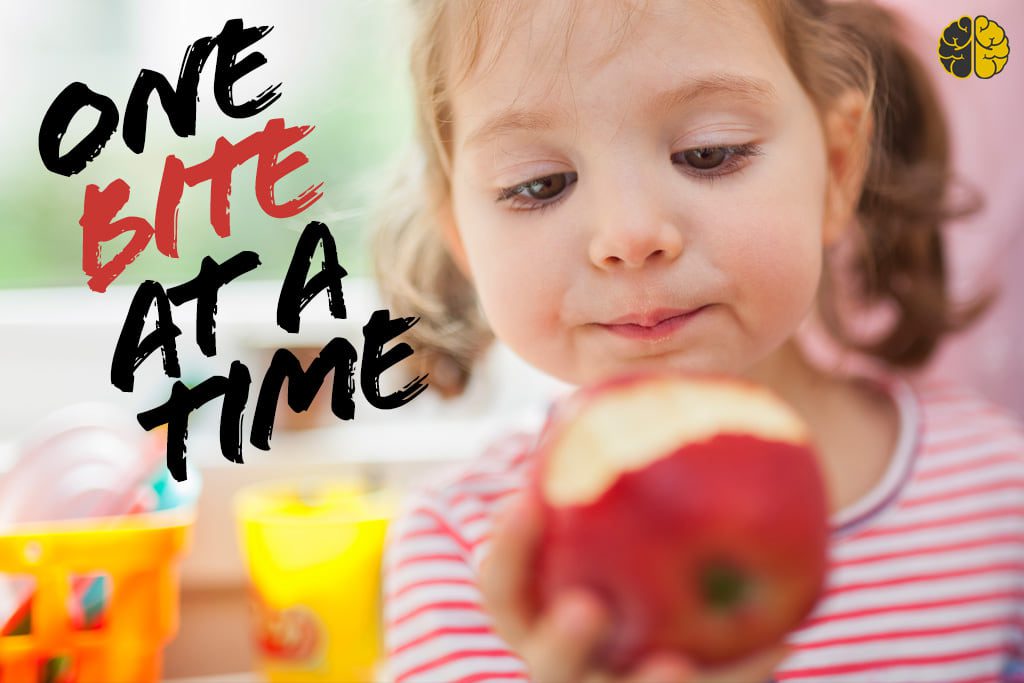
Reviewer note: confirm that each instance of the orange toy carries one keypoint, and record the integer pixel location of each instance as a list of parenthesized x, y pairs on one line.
[(136, 554)]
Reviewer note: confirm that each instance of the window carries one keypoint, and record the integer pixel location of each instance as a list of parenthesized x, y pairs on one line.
[(343, 70)]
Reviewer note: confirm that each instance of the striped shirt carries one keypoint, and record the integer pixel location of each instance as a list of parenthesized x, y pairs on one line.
[(926, 579)]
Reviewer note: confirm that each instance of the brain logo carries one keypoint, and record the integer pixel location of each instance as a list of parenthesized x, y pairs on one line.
[(977, 46)]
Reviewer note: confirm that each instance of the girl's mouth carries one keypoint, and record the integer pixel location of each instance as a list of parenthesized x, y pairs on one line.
[(653, 332)]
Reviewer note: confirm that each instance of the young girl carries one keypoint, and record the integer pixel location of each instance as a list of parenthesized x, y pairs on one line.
[(615, 185)]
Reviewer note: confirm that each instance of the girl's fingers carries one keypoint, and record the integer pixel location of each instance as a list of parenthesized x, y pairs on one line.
[(505, 571), (561, 645), (556, 645), (669, 668), (756, 669), (663, 668)]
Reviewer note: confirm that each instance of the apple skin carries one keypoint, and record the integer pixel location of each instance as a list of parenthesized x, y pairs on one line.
[(714, 549)]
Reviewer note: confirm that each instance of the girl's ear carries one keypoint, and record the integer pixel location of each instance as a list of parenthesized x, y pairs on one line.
[(848, 132), (452, 238)]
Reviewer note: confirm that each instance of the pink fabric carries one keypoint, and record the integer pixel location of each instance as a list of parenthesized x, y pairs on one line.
[(988, 248)]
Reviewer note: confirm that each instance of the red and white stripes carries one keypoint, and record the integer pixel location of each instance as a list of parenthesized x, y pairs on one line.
[(927, 587)]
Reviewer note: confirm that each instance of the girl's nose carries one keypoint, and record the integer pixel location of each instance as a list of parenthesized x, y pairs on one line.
[(633, 236)]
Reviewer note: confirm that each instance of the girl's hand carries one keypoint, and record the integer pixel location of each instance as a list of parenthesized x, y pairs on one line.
[(559, 644)]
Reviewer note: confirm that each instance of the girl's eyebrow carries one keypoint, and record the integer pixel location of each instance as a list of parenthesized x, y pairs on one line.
[(754, 90)]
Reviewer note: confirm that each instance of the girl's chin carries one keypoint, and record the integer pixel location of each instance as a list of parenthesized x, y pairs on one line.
[(598, 371)]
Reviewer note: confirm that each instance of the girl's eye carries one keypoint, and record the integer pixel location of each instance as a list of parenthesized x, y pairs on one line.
[(711, 162), (546, 188), (706, 157), (538, 193), (704, 163)]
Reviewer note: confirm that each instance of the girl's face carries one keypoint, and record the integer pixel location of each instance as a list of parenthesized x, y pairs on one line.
[(684, 172)]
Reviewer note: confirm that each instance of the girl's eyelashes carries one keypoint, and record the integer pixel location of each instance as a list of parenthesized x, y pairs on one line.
[(544, 192), (709, 163), (704, 163)]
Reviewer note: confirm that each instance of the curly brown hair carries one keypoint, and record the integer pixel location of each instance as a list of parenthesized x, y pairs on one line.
[(831, 47)]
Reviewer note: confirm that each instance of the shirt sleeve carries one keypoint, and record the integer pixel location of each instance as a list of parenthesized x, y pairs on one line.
[(434, 624)]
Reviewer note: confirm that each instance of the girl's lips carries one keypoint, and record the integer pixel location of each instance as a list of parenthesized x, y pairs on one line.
[(654, 332)]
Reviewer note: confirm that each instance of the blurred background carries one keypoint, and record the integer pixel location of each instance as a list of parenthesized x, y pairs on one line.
[(343, 66)]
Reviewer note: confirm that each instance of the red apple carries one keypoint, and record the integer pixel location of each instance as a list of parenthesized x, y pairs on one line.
[(693, 505)]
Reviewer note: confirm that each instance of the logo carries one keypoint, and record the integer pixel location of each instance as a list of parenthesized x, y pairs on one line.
[(977, 46)]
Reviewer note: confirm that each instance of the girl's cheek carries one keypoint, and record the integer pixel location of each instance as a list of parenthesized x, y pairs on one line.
[(771, 255)]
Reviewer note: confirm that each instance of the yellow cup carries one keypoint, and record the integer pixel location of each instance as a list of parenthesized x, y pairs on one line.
[(314, 555)]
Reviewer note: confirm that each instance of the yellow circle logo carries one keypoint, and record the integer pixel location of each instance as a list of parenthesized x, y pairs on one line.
[(977, 46)]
